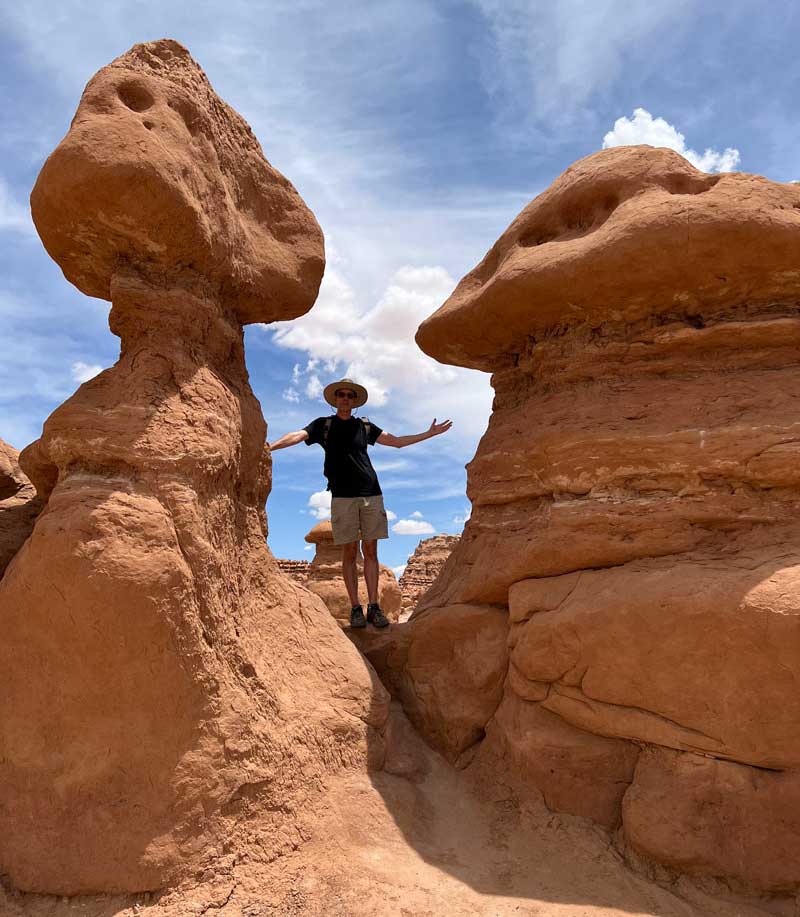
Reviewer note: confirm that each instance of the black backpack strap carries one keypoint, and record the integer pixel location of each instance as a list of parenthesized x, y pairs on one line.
[(365, 421), (326, 430)]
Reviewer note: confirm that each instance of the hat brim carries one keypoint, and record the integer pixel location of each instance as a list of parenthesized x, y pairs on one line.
[(361, 392)]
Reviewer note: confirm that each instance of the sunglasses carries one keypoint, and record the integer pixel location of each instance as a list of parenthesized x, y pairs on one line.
[(346, 395)]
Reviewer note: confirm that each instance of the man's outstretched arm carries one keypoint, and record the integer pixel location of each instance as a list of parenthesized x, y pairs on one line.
[(289, 439), (388, 439)]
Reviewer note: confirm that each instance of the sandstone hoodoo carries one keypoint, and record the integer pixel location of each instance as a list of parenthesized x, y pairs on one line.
[(324, 578), (635, 510), (423, 567), (19, 505), (173, 661)]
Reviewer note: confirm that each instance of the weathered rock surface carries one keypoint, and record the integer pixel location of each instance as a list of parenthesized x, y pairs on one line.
[(157, 171), (447, 668), (324, 578), (19, 505), (626, 235), (155, 666), (635, 504), (704, 815), (423, 567)]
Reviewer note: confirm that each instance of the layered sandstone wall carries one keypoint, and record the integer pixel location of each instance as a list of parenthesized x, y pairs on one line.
[(635, 515), (296, 569), (168, 724), (423, 568)]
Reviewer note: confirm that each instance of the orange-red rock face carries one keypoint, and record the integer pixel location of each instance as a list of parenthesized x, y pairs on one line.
[(19, 505), (622, 236), (447, 669), (155, 666), (159, 172), (635, 503)]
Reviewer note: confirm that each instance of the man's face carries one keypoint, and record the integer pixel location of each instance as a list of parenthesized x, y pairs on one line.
[(345, 397)]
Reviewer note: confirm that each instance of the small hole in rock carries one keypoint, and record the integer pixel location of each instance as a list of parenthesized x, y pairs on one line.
[(148, 124), (135, 96)]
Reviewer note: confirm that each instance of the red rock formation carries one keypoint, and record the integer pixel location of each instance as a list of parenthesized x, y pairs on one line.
[(636, 503), (423, 567), (155, 667), (296, 569), (324, 578), (447, 670), (19, 505)]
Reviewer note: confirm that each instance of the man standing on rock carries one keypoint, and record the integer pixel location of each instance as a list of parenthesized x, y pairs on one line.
[(357, 511)]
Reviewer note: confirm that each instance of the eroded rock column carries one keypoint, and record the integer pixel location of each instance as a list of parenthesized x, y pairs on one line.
[(635, 505), (167, 697)]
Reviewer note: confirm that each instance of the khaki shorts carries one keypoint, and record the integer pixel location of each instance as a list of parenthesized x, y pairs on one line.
[(358, 519)]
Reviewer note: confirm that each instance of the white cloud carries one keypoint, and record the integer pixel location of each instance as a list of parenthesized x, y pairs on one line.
[(416, 514), (460, 520), (83, 372), (291, 394), (320, 504), (390, 515), (550, 58), (309, 547), (412, 527), (644, 128), (391, 465), (398, 570), (313, 387), (13, 214), (376, 346)]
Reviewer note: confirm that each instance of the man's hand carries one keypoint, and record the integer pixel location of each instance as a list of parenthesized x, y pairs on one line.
[(436, 428), (389, 439)]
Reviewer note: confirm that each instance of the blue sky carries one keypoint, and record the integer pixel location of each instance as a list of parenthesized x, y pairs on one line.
[(416, 131)]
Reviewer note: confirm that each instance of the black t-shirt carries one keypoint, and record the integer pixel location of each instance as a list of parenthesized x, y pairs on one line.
[(347, 465)]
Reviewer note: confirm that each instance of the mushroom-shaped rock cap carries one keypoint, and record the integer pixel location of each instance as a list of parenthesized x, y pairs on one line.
[(157, 171), (322, 533), (622, 235)]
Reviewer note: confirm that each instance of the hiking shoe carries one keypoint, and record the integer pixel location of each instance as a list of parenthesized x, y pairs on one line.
[(357, 618), (375, 616)]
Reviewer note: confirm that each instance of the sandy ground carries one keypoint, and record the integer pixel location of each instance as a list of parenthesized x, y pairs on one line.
[(430, 845)]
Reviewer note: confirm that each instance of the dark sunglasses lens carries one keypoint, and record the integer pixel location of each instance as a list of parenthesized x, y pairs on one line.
[(346, 395)]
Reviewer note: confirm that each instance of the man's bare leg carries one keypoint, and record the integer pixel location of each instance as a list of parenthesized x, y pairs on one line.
[(350, 570), (370, 550)]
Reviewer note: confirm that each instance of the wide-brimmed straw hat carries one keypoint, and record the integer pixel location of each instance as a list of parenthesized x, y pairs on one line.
[(361, 393)]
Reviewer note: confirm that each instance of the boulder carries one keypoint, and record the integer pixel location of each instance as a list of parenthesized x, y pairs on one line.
[(576, 771), (635, 501), (188, 699), (704, 815), (696, 655), (447, 668), (324, 578), (19, 505)]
